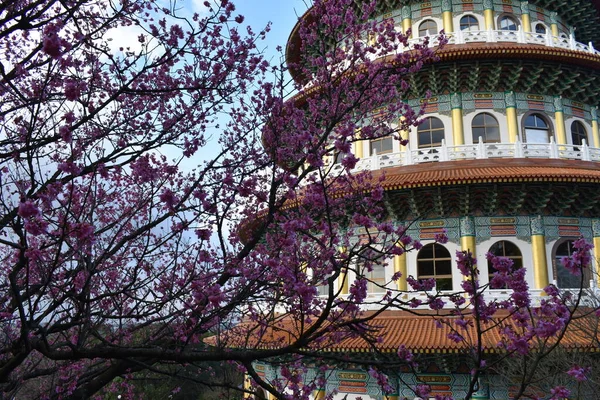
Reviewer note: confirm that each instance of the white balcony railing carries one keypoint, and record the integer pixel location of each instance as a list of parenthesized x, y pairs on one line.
[(518, 36), (589, 297), (477, 151)]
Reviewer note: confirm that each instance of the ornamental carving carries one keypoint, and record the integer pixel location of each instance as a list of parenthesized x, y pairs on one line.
[(467, 227), (558, 104), (524, 7), (510, 100), (596, 227), (406, 13), (553, 16), (446, 5), (488, 5), (594, 112), (537, 226), (455, 101)]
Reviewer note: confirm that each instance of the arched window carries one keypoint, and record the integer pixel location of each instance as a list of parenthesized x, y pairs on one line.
[(508, 23), (565, 279), (434, 261), (578, 133), (322, 286), (537, 129), (469, 23), (428, 28), (507, 249), (540, 28), (382, 145), (376, 279), (486, 126), (430, 132)]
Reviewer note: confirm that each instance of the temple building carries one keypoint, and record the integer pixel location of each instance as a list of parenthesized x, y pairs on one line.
[(506, 160)]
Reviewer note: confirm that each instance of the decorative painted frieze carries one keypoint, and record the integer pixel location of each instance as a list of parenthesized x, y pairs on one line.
[(537, 226)]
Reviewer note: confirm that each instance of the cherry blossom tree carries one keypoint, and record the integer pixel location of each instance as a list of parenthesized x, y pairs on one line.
[(151, 194), (180, 203)]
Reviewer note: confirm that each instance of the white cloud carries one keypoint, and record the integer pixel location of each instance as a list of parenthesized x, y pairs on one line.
[(124, 37), (199, 7)]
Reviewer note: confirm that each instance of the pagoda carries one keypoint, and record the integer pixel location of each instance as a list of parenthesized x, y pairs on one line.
[(505, 161)]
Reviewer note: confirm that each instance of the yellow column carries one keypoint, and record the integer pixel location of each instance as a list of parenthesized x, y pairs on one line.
[(467, 235), (596, 262), (488, 14), (467, 243), (406, 20), (540, 270), (525, 16), (457, 119), (343, 282), (358, 145), (319, 394), (513, 127), (247, 386), (391, 397), (554, 23), (467, 240), (447, 21), (400, 266), (511, 116), (526, 23), (489, 19), (403, 133), (561, 135), (343, 278), (559, 117), (538, 250), (595, 131), (447, 17), (595, 267)]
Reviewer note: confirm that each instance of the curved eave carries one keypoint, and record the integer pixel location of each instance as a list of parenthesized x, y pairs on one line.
[(509, 52), (488, 51), (588, 28), (473, 173), (489, 171), (418, 333)]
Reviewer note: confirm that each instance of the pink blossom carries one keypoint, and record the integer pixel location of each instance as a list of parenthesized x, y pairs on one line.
[(405, 354), (168, 197), (51, 41), (422, 390), (559, 393), (83, 232), (203, 234), (28, 209), (72, 89), (36, 226), (579, 373), (421, 284), (441, 237), (406, 240), (65, 133)]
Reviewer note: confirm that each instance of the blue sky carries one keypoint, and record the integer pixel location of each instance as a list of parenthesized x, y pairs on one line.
[(283, 15)]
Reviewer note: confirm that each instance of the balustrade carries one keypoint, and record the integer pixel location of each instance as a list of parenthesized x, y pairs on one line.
[(518, 36), (480, 150)]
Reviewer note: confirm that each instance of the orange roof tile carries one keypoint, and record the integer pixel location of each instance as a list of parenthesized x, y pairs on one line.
[(420, 334), (511, 50), (489, 171)]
